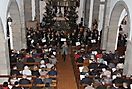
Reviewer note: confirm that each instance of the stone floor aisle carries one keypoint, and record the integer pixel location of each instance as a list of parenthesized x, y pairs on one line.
[(66, 78)]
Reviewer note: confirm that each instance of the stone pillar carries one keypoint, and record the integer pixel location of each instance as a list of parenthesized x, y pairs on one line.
[(91, 14), (4, 60), (23, 24), (128, 56), (16, 33), (86, 12), (28, 10), (96, 6), (105, 28), (37, 10), (112, 37), (16, 28)]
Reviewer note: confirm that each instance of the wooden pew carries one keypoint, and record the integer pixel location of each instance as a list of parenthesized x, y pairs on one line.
[(20, 76), (30, 85), (84, 85)]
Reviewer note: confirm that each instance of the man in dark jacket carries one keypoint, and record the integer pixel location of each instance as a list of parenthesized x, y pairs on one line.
[(24, 80), (16, 86), (38, 80), (80, 59), (52, 72), (86, 80), (47, 79), (15, 71), (30, 59)]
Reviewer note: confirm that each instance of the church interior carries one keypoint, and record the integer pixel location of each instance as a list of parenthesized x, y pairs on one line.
[(65, 44)]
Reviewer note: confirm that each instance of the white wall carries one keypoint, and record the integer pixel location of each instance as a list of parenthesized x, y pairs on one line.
[(80, 11), (4, 14), (42, 9)]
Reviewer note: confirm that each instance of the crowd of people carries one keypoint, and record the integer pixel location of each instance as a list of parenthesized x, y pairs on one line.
[(39, 62), (36, 64), (102, 68), (41, 51), (56, 38)]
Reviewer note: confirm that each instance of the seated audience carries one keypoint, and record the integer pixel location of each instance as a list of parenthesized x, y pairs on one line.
[(38, 80), (15, 71), (37, 58), (105, 72), (111, 65), (53, 59), (47, 79), (35, 87), (42, 64), (13, 79), (86, 80), (19, 63), (89, 86), (107, 79), (93, 64), (26, 71), (125, 86), (30, 59), (52, 72), (84, 70), (102, 86), (96, 80), (80, 59), (47, 86), (117, 71), (24, 80), (16, 86), (13, 58), (35, 71), (49, 64), (5, 85), (43, 71), (118, 79), (114, 86)]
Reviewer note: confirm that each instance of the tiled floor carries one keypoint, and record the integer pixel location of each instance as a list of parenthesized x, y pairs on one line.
[(66, 78)]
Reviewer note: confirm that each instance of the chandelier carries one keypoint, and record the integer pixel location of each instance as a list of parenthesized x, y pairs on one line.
[(65, 3)]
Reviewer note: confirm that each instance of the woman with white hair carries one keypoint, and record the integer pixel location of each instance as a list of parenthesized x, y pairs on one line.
[(42, 64), (26, 71), (53, 59)]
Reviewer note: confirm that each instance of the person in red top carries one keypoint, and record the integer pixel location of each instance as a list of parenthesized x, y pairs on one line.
[(76, 54), (98, 55), (5, 85)]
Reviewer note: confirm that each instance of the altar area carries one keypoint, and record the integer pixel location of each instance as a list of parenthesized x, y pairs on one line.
[(60, 15)]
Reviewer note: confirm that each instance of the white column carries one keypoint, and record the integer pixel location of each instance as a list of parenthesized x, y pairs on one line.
[(116, 39), (80, 11), (91, 13), (101, 17), (11, 38), (42, 9), (33, 10)]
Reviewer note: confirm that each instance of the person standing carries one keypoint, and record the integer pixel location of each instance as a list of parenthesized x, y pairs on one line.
[(64, 50)]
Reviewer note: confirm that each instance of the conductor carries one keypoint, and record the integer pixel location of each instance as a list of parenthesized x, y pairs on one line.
[(64, 50)]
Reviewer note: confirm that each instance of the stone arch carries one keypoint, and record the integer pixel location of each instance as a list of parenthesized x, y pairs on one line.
[(1, 31), (113, 24), (14, 12), (4, 58)]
